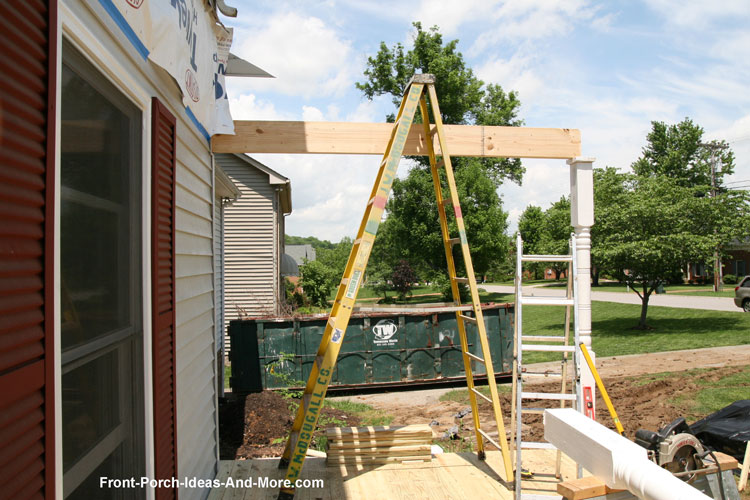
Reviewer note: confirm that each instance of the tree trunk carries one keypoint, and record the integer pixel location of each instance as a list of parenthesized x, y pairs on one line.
[(557, 274), (594, 276), (644, 308)]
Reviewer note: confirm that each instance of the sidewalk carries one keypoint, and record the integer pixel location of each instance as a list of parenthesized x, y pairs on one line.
[(665, 300)]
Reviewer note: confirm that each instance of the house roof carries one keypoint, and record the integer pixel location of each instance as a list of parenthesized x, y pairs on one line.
[(225, 188), (300, 252), (275, 179)]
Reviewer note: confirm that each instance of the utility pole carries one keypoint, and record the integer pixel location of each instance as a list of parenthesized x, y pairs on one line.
[(714, 147)]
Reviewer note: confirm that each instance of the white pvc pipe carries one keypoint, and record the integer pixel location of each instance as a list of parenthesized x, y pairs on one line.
[(619, 462)]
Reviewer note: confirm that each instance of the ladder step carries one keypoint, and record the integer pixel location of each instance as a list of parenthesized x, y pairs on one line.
[(542, 338), (536, 445), (344, 281), (542, 374), (475, 357), (460, 280), (548, 348), (468, 319), (332, 319), (546, 301), (440, 164), (559, 396), (454, 241), (546, 258), (492, 441), (478, 393), (318, 361)]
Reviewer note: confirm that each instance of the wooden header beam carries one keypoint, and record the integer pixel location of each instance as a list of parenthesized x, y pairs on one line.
[(372, 139)]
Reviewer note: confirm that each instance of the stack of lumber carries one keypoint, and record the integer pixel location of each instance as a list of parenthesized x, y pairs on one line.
[(378, 444)]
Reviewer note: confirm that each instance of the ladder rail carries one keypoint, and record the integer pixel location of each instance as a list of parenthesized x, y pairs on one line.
[(320, 374)]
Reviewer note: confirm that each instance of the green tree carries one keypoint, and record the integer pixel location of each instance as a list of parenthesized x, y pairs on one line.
[(608, 187), (531, 226), (335, 258), (648, 230), (464, 99), (678, 151), (411, 229), (555, 239), (403, 278), (317, 282)]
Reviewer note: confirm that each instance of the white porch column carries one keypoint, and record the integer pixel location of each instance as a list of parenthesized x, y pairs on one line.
[(582, 218)]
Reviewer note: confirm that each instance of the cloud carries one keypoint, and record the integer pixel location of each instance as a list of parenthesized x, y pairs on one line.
[(516, 73), (698, 13), (249, 107), (450, 14), (307, 57)]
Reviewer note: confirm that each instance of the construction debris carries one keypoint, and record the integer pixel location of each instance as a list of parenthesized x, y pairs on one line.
[(378, 445)]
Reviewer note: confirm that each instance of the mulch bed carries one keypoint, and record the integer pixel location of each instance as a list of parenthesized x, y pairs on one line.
[(249, 425)]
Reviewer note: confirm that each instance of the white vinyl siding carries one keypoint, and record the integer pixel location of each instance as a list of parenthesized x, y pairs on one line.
[(196, 381), (251, 228)]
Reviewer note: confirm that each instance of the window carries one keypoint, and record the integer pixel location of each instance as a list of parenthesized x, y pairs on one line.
[(101, 289), (740, 268)]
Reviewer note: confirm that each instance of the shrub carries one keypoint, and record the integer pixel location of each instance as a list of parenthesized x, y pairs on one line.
[(444, 285), (403, 279), (316, 282), (730, 279)]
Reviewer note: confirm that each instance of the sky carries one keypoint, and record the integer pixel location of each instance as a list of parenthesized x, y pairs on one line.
[(605, 68)]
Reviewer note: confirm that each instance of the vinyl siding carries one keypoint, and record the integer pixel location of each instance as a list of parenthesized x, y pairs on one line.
[(195, 341), (251, 231)]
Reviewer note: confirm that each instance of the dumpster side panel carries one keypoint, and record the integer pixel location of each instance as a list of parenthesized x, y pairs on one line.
[(350, 367), (246, 373), (419, 353)]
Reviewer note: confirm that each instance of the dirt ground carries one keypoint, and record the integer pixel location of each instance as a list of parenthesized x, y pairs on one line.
[(254, 426)]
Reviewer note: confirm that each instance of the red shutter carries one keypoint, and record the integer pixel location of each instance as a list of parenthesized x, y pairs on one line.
[(28, 38), (163, 155)]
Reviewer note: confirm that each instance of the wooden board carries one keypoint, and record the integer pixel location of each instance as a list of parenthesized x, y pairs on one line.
[(586, 487), (371, 138), (381, 451), (365, 460), (365, 443)]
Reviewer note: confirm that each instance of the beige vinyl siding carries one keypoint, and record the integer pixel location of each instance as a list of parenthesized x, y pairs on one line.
[(250, 230), (197, 454)]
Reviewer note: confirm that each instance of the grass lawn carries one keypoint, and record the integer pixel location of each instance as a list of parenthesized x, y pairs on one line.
[(613, 334), (685, 289)]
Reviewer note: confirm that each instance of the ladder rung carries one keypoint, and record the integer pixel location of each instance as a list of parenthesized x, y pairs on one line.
[(546, 301), (460, 280), (536, 445), (533, 411), (481, 395), (475, 357), (548, 348), (546, 258), (468, 319), (454, 241), (332, 320), (558, 396), (447, 201), (492, 441), (542, 338), (542, 374), (440, 163), (357, 241), (344, 281), (318, 361), (306, 401)]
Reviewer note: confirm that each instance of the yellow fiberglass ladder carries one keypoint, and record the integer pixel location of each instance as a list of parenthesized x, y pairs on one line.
[(419, 89), (525, 342)]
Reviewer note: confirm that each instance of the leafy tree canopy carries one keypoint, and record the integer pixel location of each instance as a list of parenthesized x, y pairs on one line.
[(463, 98), (679, 152)]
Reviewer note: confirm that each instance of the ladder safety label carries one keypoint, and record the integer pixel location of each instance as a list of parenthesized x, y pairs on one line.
[(337, 335), (351, 290), (364, 253)]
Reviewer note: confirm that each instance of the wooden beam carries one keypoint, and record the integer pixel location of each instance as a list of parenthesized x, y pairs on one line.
[(372, 138)]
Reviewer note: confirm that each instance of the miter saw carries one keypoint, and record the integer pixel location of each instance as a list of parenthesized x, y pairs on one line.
[(674, 447)]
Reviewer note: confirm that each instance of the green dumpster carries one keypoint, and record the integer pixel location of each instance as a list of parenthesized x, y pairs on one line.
[(381, 347)]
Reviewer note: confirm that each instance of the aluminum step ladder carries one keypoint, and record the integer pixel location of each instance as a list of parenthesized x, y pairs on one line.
[(321, 372), (543, 343)]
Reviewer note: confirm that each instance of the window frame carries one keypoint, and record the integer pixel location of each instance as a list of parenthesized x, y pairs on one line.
[(73, 31)]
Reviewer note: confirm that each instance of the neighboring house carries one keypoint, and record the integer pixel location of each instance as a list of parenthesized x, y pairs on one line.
[(301, 253), (738, 260), (108, 347), (254, 238)]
